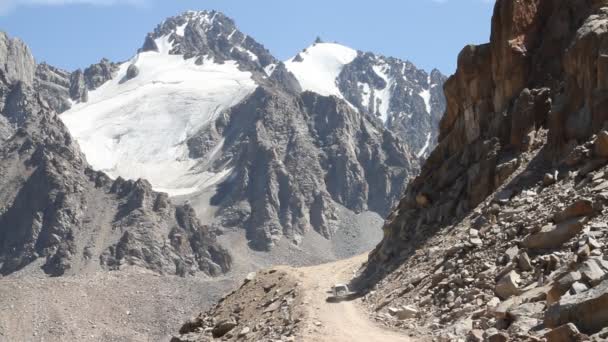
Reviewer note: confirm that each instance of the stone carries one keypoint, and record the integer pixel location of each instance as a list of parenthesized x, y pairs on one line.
[(524, 262), (250, 277), (244, 332), (583, 252), (476, 242), (578, 288), (475, 335), (508, 285), (498, 337), (405, 312), (583, 207), (511, 253), (564, 333), (549, 179), (223, 327), (551, 237), (600, 147)]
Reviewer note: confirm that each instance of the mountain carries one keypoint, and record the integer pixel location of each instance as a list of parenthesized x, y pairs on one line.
[(207, 114), (59, 214)]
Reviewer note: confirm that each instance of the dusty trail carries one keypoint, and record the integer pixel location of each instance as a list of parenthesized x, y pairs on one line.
[(343, 321)]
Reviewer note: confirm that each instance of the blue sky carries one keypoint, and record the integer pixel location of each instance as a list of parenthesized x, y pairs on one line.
[(75, 33)]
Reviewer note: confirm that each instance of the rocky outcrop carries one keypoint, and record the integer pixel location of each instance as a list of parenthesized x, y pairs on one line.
[(16, 61), (57, 87), (55, 209), (503, 230), (53, 85)]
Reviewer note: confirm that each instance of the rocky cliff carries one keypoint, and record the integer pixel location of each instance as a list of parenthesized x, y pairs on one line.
[(58, 214), (502, 235)]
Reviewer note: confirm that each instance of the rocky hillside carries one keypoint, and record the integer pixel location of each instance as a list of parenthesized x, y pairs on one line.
[(281, 150), (58, 214), (502, 236)]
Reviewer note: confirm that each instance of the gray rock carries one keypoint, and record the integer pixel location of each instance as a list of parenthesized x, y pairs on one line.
[(132, 72), (223, 327), (588, 310), (508, 285)]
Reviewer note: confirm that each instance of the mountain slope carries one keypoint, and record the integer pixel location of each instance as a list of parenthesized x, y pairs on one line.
[(502, 236)]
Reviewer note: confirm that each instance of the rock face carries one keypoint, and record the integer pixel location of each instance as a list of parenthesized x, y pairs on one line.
[(55, 209), (17, 63), (511, 201), (409, 101), (501, 95), (273, 136)]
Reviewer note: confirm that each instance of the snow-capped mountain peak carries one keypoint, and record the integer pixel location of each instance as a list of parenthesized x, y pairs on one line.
[(209, 34)]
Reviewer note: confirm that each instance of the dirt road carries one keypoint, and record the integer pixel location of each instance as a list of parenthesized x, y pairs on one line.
[(343, 321)]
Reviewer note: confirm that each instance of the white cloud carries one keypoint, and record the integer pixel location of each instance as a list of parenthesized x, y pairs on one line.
[(8, 5)]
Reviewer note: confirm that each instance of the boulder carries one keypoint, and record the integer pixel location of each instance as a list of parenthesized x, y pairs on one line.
[(594, 271), (549, 179), (475, 336), (551, 237), (223, 327), (565, 333), (578, 287), (498, 337), (583, 207), (561, 286), (508, 285), (588, 310)]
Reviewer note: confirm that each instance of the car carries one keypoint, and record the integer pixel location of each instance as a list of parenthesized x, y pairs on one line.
[(340, 292)]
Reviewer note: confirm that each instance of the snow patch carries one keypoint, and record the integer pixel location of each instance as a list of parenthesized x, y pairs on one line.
[(139, 128), (425, 147), (383, 95), (365, 94), (320, 67), (426, 96), (180, 30)]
